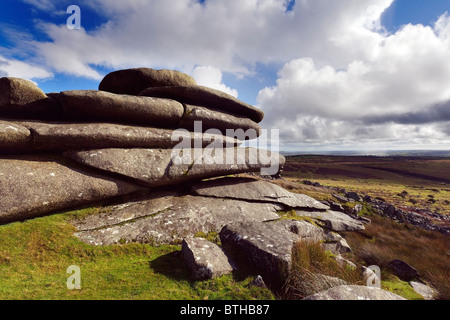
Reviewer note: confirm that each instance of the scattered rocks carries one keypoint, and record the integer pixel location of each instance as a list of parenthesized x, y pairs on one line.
[(353, 195), (403, 270), (352, 292), (205, 259)]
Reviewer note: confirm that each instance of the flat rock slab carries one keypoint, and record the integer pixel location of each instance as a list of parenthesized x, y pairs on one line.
[(208, 98), (166, 218), (255, 190), (100, 105), (224, 123), (334, 220), (266, 247), (13, 137), (158, 167), (31, 186), (133, 81), (81, 136), (205, 259), (352, 292)]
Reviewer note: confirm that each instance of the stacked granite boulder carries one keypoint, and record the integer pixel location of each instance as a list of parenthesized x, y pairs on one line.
[(154, 151)]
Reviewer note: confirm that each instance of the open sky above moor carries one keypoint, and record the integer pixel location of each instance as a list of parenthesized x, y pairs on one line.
[(330, 75)]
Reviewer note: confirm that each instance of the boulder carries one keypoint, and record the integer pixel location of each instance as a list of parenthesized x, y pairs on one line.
[(167, 217), (18, 92), (100, 105), (81, 136), (403, 270), (158, 167), (255, 190), (13, 137), (208, 98), (333, 220), (352, 292), (31, 186), (266, 247), (353, 196), (223, 123), (205, 259), (133, 81)]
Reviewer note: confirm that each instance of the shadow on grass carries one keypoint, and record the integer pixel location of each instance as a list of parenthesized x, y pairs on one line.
[(172, 265)]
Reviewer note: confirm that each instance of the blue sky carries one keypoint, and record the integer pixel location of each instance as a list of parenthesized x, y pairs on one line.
[(330, 75)]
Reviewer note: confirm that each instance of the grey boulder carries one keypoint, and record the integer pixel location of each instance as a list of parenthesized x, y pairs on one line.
[(100, 105), (31, 186), (133, 81), (266, 247), (255, 190), (205, 259), (353, 292), (208, 98)]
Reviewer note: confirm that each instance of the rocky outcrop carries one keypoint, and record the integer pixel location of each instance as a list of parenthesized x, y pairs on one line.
[(161, 154), (352, 292)]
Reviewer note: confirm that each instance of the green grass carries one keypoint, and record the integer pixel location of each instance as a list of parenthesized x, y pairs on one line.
[(395, 285), (35, 255)]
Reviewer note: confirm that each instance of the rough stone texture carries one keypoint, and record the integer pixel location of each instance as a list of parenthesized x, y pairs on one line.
[(133, 81), (425, 291), (403, 270), (13, 137), (19, 92), (31, 186), (208, 98), (333, 220), (309, 283), (101, 105), (220, 121), (157, 167), (255, 190), (352, 292), (80, 136), (205, 259), (266, 248), (168, 217)]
